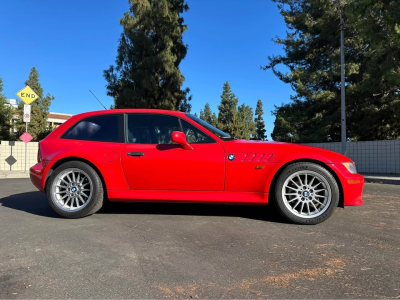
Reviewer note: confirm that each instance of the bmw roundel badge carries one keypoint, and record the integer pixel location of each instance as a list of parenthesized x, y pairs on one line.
[(231, 157)]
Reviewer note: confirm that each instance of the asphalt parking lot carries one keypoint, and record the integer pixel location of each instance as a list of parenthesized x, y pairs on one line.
[(197, 251)]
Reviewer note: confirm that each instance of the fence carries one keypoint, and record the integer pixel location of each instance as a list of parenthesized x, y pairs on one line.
[(371, 156), (18, 152)]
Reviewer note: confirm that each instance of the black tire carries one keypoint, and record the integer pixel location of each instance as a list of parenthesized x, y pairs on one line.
[(281, 205), (94, 203)]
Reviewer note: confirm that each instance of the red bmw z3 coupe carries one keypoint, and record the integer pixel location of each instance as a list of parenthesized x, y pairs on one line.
[(136, 155)]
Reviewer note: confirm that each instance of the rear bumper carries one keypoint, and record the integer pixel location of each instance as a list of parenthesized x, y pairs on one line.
[(352, 185), (38, 173)]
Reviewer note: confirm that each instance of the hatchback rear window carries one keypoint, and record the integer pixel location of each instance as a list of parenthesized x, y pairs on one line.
[(98, 128)]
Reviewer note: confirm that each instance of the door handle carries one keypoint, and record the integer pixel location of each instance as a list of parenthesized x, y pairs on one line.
[(135, 153)]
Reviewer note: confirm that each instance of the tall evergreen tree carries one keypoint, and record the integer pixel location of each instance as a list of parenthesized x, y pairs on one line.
[(185, 105), (236, 121), (151, 48), (312, 55), (245, 126), (227, 116), (214, 120), (39, 109), (208, 116), (5, 115), (260, 125)]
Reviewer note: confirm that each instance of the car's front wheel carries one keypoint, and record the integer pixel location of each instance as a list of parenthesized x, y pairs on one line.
[(75, 190), (306, 193)]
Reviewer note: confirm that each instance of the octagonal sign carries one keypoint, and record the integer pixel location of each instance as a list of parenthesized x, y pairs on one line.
[(26, 137)]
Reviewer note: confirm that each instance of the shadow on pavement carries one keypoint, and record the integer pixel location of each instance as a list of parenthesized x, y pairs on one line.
[(262, 213), (31, 202), (36, 203)]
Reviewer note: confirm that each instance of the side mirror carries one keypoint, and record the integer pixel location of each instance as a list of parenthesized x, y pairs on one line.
[(180, 138)]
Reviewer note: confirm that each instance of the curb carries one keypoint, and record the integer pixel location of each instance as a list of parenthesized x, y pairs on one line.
[(382, 181), (14, 176)]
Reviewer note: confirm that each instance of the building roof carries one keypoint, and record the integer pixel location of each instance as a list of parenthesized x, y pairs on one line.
[(54, 115)]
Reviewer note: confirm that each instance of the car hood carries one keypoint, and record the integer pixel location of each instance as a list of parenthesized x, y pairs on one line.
[(284, 152)]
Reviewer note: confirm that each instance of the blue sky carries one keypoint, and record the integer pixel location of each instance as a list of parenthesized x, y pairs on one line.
[(72, 42)]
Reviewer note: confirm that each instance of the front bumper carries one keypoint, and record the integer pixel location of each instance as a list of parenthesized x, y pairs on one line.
[(352, 185)]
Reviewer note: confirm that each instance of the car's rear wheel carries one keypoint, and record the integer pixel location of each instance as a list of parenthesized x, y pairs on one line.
[(306, 193), (75, 190)]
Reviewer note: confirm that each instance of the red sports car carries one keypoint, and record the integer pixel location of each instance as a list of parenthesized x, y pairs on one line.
[(155, 155)]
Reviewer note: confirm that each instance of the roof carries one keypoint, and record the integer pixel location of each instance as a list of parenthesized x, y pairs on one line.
[(53, 115), (130, 110)]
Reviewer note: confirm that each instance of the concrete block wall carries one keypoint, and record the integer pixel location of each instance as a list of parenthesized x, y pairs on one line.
[(381, 157), (18, 151)]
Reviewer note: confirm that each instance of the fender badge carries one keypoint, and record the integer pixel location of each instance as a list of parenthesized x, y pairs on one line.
[(231, 157)]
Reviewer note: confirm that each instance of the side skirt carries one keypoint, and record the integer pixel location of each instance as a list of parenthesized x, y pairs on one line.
[(187, 196)]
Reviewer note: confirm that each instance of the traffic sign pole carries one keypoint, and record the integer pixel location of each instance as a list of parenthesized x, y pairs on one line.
[(28, 96), (26, 144), (27, 119)]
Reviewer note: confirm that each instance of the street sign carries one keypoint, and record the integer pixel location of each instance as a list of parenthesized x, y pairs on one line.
[(27, 95), (10, 160), (26, 137), (27, 113)]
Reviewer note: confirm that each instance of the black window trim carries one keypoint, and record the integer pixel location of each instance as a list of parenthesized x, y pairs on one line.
[(120, 122), (206, 134), (223, 139), (125, 128), (158, 114), (180, 125)]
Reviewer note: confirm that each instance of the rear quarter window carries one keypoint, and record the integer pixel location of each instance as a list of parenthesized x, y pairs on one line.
[(103, 128)]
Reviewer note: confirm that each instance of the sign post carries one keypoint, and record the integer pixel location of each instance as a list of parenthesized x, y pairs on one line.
[(27, 119), (28, 96)]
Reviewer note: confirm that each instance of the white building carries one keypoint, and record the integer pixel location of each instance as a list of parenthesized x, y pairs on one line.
[(12, 102), (54, 119)]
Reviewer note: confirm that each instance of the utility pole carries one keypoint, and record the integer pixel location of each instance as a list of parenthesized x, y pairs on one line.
[(342, 89)]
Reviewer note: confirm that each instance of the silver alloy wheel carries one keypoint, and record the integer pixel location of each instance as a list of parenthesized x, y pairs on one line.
[(307, 194), (72, 190)]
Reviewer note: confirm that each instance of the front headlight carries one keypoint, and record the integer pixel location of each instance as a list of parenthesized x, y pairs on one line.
[(351, 167)]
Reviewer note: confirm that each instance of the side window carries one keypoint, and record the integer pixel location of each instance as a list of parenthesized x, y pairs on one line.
[(151, 128), (102, 128), (194, 135)]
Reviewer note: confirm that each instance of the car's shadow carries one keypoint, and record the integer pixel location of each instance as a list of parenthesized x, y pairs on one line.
[(31, 202), (36, 203)]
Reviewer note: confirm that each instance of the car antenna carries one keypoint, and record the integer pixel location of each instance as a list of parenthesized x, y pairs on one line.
[(98, 100)]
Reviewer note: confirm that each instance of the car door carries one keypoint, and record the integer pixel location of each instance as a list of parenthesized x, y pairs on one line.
[(151, 161)]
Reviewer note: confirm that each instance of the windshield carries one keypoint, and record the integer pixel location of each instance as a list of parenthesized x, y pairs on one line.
[(216, 131)]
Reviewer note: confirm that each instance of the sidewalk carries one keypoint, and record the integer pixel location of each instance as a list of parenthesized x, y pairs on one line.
[(13, 174), (369, 178)]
